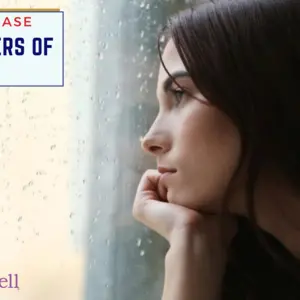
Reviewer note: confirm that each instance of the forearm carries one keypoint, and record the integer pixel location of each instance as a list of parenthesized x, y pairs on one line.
[(193, 269)]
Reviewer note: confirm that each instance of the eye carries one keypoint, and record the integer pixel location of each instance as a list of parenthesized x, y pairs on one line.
[(178, 95)]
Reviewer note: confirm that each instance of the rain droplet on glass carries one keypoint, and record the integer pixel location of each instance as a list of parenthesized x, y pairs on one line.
[(162, 39), (101, 55), (105, 46)]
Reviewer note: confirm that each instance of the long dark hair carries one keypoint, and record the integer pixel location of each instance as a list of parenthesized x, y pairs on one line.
[(244, 57)]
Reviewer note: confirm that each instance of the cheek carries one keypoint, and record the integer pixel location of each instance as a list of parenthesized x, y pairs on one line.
[(208, 149)]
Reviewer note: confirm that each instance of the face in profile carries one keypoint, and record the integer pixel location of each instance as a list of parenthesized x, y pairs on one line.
[(196, 141)]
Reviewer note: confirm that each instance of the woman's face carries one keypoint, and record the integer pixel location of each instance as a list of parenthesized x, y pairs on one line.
[(198, 141)]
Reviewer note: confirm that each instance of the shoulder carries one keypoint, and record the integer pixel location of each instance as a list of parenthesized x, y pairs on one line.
[(261, 267)]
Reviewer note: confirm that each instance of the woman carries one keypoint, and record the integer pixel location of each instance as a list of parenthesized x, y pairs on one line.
[(226, 190)]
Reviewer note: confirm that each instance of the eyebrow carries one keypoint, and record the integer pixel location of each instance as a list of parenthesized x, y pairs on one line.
[(169, 81)]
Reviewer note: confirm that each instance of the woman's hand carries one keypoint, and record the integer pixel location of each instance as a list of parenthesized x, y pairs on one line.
[(196, 260), (152, 209)]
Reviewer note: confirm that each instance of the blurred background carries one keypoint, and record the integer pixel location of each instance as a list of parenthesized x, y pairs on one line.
[(70, 159)]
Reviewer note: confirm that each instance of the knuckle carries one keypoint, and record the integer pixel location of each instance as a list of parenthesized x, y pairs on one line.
[(138, 210), (150, 172)]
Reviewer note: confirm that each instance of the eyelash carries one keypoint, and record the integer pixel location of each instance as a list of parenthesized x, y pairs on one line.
[(175, 93)]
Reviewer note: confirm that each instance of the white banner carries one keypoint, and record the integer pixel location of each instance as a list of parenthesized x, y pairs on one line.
[(32, 47)]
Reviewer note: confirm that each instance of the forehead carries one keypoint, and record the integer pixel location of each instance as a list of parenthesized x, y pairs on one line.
[(172, 62)]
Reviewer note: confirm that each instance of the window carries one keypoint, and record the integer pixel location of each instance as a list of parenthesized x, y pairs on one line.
[(71, 161)]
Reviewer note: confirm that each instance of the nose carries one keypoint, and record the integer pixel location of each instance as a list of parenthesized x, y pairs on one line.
[(156, 143)]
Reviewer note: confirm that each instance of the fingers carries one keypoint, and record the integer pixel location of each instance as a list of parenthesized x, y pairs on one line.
[(146, 191), (149, 181), (162, 191), (148, 208)]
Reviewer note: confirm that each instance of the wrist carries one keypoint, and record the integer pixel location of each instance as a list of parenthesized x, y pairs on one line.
[(192, 242), (187, 238), (192, 263)]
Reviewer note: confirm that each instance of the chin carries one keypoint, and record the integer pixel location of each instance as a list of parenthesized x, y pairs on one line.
[(199, 205)]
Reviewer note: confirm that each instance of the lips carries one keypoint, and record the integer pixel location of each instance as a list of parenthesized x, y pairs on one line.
[(164, 170)]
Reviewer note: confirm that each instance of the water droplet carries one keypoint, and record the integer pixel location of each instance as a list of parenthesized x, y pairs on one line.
[(120, 23), (20, 219), (71, 215), (117, 95), (139, 75), (139, 242), (100, 56), (105, 46), (107, 242), (142, 4), (142, 48), (40, 172), (140, 107), (162, 39), (142, 33), (30, 183), (142, 253), (147, 6)]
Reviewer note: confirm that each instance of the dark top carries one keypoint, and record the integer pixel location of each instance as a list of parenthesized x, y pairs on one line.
[(253, 273)]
